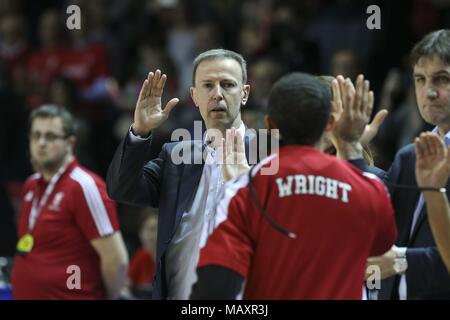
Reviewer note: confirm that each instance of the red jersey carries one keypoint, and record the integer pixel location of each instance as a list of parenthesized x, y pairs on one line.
[(85, 65), (43, 66), (339, 215), (76, 212), (142, 268)]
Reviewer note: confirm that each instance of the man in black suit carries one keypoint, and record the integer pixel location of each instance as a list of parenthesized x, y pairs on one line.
[(413, 268), (178, 181)]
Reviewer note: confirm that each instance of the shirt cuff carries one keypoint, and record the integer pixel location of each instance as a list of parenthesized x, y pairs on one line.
[(401, 252), (134, 139)]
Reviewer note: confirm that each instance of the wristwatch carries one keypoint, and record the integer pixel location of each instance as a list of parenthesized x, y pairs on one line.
[(400, 262)]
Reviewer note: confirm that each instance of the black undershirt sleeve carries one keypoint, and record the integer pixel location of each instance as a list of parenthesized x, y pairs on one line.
[(216, 283)]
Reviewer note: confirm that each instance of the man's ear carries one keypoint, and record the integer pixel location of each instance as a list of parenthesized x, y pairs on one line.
[(331, 123), (272, 127), (72, 140), (333, 118), (270, 124), (246, 93), (192, 91)]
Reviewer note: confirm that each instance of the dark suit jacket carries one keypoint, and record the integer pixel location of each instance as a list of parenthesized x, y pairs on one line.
[(135, 180), (427, 276)]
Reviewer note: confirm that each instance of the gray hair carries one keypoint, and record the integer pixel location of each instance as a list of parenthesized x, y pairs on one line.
[(435, 43), (221, 53)]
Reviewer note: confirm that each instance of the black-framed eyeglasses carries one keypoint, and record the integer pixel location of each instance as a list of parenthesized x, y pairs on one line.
[(49, 136)]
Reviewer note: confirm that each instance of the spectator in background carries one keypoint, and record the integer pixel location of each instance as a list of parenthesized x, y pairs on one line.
[(263, 73), (44, 63), (404, 122), (346, 63), (142, 265), (14, 48), (66, 223)]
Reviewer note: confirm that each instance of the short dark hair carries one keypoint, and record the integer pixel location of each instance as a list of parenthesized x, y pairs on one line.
[(220, 53), (435, 43), (54, 111), (300, 105)]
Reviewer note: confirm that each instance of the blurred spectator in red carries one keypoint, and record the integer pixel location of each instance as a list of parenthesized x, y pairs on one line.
[(44, 64), (142, 265), (13, 47), (345, 62)]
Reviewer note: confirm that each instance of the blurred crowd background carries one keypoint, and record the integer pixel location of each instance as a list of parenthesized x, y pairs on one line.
[(96, 72)]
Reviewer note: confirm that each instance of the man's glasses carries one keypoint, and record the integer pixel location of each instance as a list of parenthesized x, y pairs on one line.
[(49, 136)]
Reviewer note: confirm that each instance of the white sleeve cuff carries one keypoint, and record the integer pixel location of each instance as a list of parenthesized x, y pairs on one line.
[(134, 138), (401, 252)]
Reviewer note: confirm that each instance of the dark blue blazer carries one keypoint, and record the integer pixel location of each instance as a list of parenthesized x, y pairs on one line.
[(426, 276), (134, 180)]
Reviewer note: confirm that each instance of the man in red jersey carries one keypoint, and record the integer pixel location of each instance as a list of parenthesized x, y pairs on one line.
[(305, 232), (70, 246)]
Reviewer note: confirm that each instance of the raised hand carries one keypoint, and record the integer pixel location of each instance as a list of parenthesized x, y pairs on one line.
[(357, 105), (149, 114), (371, 129), (234, 160), (432, 161)]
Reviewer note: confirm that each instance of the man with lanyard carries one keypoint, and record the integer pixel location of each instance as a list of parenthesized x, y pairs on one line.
[(70, 246)]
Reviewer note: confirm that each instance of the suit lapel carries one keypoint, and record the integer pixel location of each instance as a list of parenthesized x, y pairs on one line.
[(189, 180), (420, 220)]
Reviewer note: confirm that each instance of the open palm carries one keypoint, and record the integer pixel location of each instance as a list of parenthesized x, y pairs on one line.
[(149, 114), (432, 161), (234, 160)]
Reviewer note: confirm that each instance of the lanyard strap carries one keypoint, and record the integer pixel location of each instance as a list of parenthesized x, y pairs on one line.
[(35, 208)]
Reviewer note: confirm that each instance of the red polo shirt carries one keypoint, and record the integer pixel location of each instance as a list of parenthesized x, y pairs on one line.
[(77, 211)]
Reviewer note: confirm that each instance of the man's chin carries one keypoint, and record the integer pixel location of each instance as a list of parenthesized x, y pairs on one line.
[(46, 165), (219, 123)]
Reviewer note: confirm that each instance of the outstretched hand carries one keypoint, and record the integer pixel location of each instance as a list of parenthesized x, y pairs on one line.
[(357, 105), (432, 161), (149, 114), (371, 130), (234, 160)]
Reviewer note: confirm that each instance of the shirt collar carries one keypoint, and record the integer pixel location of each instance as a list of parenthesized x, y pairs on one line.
[(70, 166)]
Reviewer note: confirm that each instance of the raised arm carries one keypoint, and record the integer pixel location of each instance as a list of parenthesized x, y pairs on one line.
[(131, 177), (433, 171)]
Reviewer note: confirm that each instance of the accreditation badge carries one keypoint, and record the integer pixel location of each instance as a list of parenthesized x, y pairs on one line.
[(25, 243)]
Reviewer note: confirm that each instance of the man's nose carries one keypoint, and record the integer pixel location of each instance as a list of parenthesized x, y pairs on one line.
[(42, 140), (216, 93), (432, 93)]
